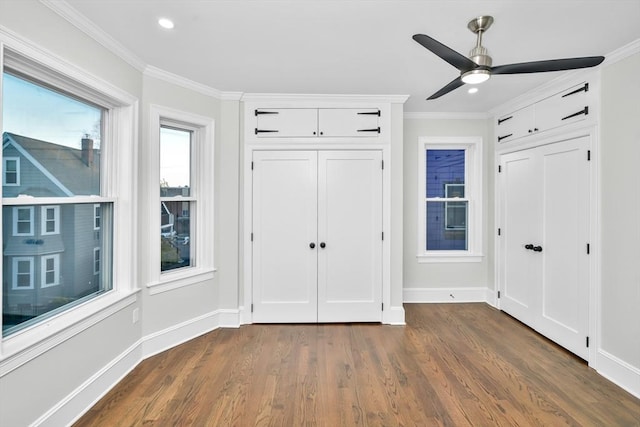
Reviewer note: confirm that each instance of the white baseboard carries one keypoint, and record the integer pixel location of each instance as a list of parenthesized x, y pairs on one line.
[(619, 372), (78, 402), (441, 295), (393, 316)]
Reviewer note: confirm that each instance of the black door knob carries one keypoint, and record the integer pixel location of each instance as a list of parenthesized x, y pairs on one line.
[(537, 248), (312, 245), (323, 245), (528, 246)]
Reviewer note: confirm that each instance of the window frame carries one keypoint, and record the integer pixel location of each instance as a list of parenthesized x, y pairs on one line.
[(472, 145), (44, 220), (14, 275), (4, 172), (119, 165), (16, 220), (97, 261), (97, 216), (202, 208), (43, 270)]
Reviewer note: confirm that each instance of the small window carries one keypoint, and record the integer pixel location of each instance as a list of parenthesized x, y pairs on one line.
[(23, 221), (96, 217), (22, 273), (96, 261), (50, 220), (11, 171), (50, 270), (176, 198), (449, 199)]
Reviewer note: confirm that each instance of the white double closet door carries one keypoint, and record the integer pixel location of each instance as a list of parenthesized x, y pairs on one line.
[(317, 236), (543, 255)]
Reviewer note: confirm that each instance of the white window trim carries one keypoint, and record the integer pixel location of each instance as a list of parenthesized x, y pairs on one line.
[(43, 220), (15, 220), (473, 194), (56, 270), (120, 159), (14, 279), (4, 169), (202, 155)]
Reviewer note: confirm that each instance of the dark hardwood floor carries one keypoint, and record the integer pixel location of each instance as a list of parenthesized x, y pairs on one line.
[(452, 365)]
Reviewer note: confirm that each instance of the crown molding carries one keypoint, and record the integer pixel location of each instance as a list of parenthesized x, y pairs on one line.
[(622, 52), (290, 97), (178, 80), (66, 11), (445, 116)]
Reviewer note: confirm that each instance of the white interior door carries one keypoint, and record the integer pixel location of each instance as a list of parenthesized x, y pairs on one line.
[(350, 236), (521, 267), (284, 227), (564, 315)]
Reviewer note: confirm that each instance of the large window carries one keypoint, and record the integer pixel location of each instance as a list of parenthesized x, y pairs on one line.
[(176, 197), (52, 150), (449, 207)]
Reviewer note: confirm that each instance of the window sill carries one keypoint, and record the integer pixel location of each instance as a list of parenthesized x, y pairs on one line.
[(180, 279), (28, 344), (449, 256)]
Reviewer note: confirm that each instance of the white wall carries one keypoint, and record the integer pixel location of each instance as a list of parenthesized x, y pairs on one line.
[(430, 282), (619, 344)]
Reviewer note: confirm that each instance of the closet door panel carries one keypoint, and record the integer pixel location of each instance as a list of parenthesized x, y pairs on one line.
[(350, 226), (521, 213), (284, 226), (565, 278)]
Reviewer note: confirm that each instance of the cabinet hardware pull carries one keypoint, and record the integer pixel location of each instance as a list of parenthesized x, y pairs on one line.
[(584, 88), (500, 138), (312, 245), (370, 130), (258, 112), (585, 112), (500, 121), (537, 249), (370, 113), (264, 131), (323, 245), (528, 246)]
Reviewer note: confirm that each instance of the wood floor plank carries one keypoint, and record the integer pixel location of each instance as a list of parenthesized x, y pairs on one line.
[(451, 365)]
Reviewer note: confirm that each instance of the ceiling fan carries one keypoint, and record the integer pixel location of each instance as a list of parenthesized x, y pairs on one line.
[(477, 68)]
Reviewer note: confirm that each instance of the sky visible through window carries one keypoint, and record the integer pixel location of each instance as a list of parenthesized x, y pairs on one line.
[(40, 113)]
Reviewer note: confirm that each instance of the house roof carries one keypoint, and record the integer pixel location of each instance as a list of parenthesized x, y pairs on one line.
[(62, 163)]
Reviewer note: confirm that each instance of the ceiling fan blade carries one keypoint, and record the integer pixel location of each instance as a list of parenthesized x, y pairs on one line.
[(454, 58), (454, 84), (549, 65)]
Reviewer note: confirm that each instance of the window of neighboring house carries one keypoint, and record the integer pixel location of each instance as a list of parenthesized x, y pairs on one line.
[(50, 220), (22, 273), (57, 124), (96, 217), (449, 208), (11, 171), (96, 261), (23, 221), (50, 270), (176, 196)]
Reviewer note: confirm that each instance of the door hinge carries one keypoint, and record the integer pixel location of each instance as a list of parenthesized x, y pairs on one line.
[(383, 235), (500, 121), (251, 165), (499, 231), (252, 237), (587, 342), (584, 88), (499, 168), (383, 164), (588, 155), (252, 307), (588, 248), (498, 294), (382, 307)]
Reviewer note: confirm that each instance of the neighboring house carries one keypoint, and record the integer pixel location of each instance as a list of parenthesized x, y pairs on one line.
[(51, 252)]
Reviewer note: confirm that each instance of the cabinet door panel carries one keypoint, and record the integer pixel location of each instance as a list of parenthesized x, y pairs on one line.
[(284, 224), (350, 224), (515, 125), (563, 108), (348, 122), (286, 122), (520, 216), (565, 279)]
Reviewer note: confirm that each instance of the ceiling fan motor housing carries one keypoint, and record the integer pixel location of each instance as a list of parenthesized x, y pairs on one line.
[(480, 55)]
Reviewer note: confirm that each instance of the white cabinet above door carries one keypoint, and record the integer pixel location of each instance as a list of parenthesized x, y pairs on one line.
[(286, 122), (348, 122)]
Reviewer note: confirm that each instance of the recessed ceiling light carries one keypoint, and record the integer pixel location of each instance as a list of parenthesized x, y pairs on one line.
[(473, 90), (165, 23)]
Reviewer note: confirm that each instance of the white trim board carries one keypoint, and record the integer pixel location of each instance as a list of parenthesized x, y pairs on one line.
[(618, 372), (446, 295)]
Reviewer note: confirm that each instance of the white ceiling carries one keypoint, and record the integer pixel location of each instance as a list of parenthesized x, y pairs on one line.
[(359, 46)]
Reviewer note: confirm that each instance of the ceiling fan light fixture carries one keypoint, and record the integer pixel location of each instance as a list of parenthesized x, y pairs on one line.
[(476, 76)]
